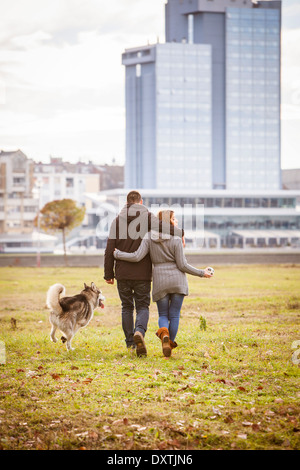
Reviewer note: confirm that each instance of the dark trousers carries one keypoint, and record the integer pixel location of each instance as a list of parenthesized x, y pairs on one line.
[(134, 294)]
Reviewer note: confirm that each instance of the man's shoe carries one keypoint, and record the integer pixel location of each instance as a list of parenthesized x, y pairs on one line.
[(138, 338)]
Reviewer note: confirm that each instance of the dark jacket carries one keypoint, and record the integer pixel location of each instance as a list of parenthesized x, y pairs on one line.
[(126, 233)]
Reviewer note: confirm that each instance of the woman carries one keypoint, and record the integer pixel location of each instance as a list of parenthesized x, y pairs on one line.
[(169, 279)]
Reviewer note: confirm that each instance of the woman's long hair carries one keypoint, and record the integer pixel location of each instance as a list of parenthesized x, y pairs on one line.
[(165, 215)]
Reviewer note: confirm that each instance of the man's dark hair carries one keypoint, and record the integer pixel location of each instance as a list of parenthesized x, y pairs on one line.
[(133, 197)]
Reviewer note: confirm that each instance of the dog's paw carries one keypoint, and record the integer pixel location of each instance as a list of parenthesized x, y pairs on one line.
[(63, 339), (53, 339)]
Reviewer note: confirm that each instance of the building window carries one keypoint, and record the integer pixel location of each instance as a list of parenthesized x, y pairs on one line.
[(69, 182), (18, 181)]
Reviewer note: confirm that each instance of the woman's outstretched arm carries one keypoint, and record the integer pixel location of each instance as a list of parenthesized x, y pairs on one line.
[(137, 255), (182, 263)]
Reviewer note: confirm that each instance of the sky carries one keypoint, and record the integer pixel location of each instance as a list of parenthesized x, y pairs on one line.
[(62, 84)]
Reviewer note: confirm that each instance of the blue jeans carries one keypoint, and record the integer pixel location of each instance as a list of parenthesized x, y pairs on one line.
[(169, 313), (134, 294)]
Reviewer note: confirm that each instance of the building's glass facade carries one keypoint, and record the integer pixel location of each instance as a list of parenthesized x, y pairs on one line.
[(252, 98), (183, 116)]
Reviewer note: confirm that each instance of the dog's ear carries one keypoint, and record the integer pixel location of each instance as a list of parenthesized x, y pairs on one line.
[(85, 286), (93, 286)]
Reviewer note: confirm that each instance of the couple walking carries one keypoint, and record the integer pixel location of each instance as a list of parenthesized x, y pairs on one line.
[(139, 245)]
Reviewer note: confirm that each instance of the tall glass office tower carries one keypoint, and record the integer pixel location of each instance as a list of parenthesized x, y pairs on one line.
[(203, 109), (168, 116)]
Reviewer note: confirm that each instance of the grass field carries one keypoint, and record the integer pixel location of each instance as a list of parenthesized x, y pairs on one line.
[(232, 385)]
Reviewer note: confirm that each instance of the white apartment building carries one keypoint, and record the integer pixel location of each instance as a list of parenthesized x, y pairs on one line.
[(18, 207), (63, 180)]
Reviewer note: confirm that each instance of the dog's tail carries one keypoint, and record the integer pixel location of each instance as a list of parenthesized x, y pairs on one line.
[(53, 295)]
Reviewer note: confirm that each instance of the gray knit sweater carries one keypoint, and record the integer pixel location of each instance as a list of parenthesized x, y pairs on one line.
[(169, 264)]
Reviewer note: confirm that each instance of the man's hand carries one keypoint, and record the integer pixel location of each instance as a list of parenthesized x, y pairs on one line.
[(110, 281)]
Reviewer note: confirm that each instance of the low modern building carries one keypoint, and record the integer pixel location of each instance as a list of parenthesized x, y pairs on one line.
[(215, 218), (27, 243)]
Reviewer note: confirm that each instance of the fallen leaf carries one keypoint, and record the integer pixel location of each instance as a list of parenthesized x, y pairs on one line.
[(229, 382), (162, 445), (242, 436), (256, 426), (174, 443), (87, 381), (269, 413), (242, 389), (225, 381), (118, 422), (278, 400), (55, 376), (31, 373), (247, 423), (129, 445), (176, 373), (228, 420), (183, 388), (268, 353)]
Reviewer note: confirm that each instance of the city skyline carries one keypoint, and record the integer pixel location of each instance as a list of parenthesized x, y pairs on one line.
[(62, 86)]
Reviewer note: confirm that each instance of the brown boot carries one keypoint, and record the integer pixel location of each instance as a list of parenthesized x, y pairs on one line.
[(173, 344), (163, 334)]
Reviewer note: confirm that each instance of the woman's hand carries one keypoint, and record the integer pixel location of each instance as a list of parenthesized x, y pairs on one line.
[(183, 242), (208, 272)]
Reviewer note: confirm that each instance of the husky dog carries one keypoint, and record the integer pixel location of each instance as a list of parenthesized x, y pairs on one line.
[(71, 313)]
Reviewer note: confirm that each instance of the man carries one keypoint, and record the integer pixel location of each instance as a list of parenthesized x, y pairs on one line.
[(133, 279)]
